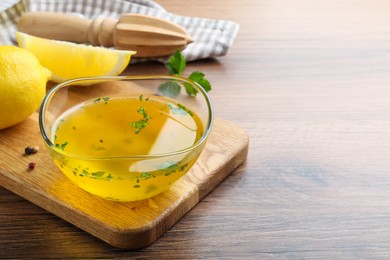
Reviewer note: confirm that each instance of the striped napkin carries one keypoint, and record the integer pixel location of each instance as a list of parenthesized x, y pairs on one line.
[(212, 38)]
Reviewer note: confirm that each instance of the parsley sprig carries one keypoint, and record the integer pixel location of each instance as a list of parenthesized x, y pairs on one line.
[(176, 66)]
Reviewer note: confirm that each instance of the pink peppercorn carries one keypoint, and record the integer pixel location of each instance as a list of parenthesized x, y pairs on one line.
[(31, 165)]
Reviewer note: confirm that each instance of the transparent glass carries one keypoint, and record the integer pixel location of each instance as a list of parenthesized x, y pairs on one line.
[(125, 138)]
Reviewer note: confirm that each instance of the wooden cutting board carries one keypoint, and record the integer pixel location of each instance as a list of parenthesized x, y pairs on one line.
[(128, 225)]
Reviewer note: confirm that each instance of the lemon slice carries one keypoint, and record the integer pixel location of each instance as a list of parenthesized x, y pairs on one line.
[(67, 60)]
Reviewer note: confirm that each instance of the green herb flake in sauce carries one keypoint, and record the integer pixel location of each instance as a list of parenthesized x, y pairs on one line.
[(97, 174), (183, 167), (142, 123), (185, 109), (145, 176), (180, 109), (109, 177), (75, 171), (175, 110), (141, 98), (106, 100), (61, 146)]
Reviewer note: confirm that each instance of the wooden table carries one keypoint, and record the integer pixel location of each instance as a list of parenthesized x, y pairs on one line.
[(310, 82)]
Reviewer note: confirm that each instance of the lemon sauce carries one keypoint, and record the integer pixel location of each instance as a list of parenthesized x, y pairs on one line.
[(101, 134)]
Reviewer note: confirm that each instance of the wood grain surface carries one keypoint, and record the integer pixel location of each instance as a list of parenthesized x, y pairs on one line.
[(310, 82)]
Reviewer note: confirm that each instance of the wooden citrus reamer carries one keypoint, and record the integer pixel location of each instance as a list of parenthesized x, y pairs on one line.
[(148, 35)]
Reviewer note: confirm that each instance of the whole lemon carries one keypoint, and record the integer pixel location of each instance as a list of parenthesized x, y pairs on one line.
[(22, 84)]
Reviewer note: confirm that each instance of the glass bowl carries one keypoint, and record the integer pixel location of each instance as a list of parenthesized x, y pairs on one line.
[(125, 138)]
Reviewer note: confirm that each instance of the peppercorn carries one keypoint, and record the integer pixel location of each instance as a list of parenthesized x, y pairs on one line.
[(31, 150), (31, 165)]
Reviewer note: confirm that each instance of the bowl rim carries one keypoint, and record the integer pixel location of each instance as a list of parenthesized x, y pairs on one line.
[(53, 90)]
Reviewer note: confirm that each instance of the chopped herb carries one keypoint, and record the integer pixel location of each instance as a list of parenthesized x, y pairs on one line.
[(176, 110), (61, 146), (169, 173), (109, 177), (97, 174), (136, 186), (101, 140), (141, 98), (106, 100), (84, 172), (169, 168), (75, 171), (146, 175), (185, 109), (180, 109), (142, 123), (142, 111), (139, 125), (183, 167)]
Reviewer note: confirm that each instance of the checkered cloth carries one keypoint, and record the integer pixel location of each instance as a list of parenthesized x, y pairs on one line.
[(212, 38)]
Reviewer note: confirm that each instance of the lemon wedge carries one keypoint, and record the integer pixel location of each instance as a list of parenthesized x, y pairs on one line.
[(67, 60)]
